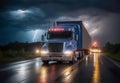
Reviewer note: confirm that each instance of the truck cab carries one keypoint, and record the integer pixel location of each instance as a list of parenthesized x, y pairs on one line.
[(61, 44)]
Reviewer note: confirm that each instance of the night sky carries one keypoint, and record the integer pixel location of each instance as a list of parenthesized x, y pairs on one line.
[(26, 20)]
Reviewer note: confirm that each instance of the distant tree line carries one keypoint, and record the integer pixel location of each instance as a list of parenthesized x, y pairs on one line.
[(19, 51), (21, 45), (112, 48), (19, 48)]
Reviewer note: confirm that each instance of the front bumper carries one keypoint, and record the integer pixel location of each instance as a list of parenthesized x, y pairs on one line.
[(56, 57)]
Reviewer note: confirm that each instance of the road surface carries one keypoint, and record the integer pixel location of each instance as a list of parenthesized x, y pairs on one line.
[(93, 68)]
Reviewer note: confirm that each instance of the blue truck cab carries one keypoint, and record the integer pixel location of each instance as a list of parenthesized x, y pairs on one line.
[(64, 42)]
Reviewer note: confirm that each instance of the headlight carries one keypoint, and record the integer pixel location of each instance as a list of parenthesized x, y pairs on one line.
[(44, 51), (68, 52), (37, 51)]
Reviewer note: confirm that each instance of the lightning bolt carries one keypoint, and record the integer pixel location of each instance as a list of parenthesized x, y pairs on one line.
[(35, 35)]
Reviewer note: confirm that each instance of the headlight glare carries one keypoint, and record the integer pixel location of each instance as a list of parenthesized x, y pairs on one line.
[(68, 52), (44, 51)]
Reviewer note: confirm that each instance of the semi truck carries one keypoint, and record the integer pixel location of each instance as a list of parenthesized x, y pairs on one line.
[(66, 41)]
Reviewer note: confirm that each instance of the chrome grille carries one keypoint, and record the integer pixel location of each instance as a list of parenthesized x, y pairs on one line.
[(55, 47)]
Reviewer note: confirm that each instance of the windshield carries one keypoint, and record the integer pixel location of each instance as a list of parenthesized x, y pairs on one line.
[(61, 35)]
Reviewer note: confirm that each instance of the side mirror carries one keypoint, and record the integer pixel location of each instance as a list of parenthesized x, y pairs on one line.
[(45, 34)]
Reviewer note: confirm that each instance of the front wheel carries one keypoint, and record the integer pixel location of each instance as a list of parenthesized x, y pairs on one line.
[(73, 60), (79, 56), (45, 62)]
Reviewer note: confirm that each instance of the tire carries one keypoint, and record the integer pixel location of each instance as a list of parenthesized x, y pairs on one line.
[(59, 62), (45, 62), (73, 60), (79, 57)]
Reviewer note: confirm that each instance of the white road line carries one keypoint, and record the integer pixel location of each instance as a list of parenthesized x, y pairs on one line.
[(113, 61)]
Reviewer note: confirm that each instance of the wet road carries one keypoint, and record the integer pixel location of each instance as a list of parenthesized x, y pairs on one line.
[(93, 68)]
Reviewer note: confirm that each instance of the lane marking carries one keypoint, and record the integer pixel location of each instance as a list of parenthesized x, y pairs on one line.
[(113, 61)]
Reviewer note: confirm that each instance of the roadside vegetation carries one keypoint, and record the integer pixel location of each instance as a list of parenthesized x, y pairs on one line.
[(12, 55), (112, 51), (19, 51)]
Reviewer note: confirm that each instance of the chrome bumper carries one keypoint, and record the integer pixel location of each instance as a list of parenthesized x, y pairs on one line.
[(56, 57)]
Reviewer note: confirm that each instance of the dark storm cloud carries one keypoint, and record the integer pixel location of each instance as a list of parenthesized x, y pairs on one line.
[(100, 17), (74, 4)]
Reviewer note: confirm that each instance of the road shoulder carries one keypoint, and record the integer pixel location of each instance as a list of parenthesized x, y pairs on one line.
[(113, 61)]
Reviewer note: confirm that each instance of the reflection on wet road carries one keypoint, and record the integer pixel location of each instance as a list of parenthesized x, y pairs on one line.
[(93, 68), (96, 72)]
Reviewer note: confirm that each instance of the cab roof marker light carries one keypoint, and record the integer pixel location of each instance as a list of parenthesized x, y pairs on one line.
[(56, 29)]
